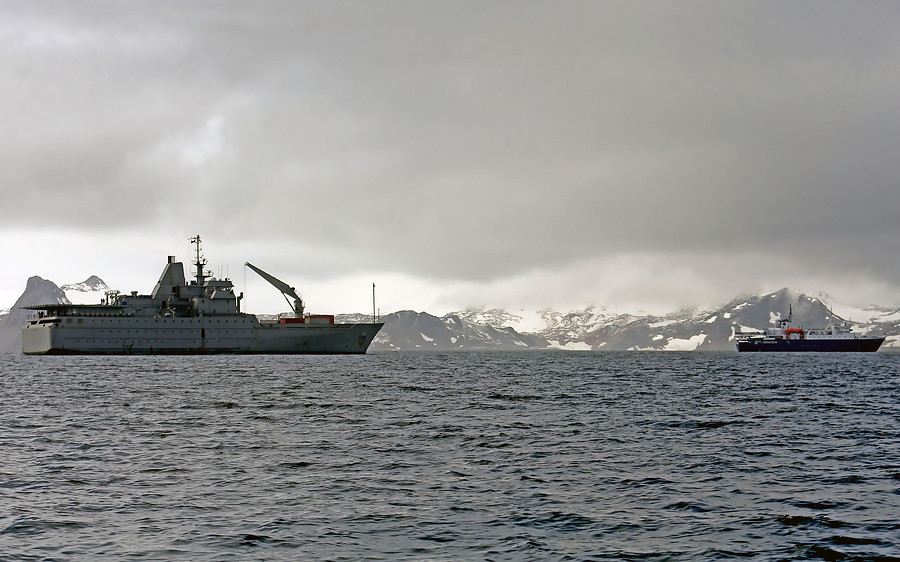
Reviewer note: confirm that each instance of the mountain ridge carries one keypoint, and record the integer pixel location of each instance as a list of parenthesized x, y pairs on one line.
[(37, 291), (593, 328)]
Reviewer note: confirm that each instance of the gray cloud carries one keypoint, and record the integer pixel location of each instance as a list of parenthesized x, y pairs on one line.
[(464, 140)]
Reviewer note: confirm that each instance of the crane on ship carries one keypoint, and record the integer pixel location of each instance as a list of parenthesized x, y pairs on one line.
[(286, 290)]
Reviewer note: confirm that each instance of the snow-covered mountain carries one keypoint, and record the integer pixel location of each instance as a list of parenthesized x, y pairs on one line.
[(409, 330), (90, 291), (37, 291), (591, 328), (43, 291), (597, 328)]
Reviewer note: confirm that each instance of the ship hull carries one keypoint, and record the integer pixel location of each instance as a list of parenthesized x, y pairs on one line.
[(176, 336), (824, 345)]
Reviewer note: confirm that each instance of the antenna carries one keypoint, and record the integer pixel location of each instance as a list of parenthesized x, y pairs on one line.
[(200, 261), (374, 310)]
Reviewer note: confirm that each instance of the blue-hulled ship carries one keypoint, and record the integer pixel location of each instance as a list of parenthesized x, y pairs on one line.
[(784, 337)]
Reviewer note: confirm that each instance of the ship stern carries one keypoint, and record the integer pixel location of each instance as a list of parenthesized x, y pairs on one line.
[(37, 339)]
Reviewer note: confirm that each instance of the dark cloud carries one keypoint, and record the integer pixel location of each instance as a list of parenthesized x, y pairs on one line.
[(461, 139)]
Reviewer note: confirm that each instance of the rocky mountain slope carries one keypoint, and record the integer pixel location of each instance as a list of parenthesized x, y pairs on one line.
[(37, 291), (691, 330), (408, 330), (596, 328)]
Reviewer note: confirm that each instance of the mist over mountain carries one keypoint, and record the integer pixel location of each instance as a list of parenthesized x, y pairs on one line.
[(592, 328), (409, 330), (597, 328), (686, 330)]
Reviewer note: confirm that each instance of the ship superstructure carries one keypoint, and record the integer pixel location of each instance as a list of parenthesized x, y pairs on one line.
[(202, 316), (783, 337)]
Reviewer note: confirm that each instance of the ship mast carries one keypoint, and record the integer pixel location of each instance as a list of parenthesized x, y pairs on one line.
[(200, 261)]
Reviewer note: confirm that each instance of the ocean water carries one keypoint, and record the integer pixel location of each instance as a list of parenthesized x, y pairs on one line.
[(451, 456)]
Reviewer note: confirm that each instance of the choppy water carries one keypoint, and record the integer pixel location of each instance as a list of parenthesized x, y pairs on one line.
[(498, 456)]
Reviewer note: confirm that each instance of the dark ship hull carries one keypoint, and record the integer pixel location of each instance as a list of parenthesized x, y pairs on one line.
[(848, 345), (783, 337)]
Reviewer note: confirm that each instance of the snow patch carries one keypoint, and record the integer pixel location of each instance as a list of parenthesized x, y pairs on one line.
[(528, 321), (854, 313), (426, 338), (571, 346), (90, 291), (521, 321), (887, 317), (891, 341), (677, 344)]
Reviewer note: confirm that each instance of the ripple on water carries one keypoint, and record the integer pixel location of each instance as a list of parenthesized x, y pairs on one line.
[(599, 456)]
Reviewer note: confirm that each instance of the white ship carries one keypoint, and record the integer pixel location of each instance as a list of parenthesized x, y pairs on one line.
[(202, 316)]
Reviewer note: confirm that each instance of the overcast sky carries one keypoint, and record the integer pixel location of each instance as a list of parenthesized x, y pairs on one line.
[(640, 155)]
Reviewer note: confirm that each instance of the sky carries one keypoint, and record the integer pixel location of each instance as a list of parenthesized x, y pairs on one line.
[(645, 156)]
